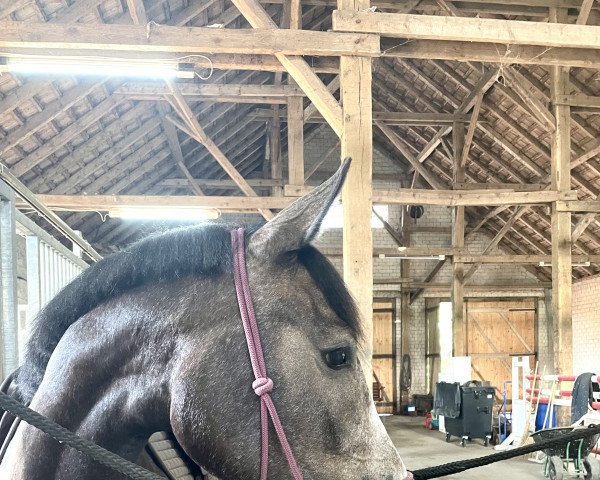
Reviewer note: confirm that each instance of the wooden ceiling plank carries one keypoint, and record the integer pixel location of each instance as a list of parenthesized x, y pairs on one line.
[(56, 142), (106, 158), (75, 11), (49, 112)]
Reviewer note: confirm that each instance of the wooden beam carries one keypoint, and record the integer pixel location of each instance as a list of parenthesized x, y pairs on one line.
[(578, 206), (154, 90), (219, 184), (510, 147), (584, 13), (357, 143), (483, 85), (458, 242), (295, 129), (200, 136), (578, 100), (275, 160), (492, 53), (405, 151), (471, 130), (582, 226), (524, 90), (388, 118), (79, 39), (295, 14), (515, 187), (430, 277), (311, 111), (523, 259), (519, 212), (465, 198), (95, 202), (429, 27), (137, 11), (296, 66), (175, 148), (561, 221), (103, 203), (592, 148), (320, 162)]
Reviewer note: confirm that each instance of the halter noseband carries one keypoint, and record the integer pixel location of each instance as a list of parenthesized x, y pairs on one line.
[(262, 384)]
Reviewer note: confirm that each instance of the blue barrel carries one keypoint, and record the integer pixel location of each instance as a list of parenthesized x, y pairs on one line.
[(541, 414)]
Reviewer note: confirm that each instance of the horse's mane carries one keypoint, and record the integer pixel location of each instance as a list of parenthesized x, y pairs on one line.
[(198, 250)]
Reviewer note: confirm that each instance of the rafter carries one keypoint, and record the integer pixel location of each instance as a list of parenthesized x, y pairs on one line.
[(297, 67), (198, 133)]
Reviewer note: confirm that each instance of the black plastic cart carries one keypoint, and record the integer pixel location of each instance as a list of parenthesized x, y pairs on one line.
[(475, 419)]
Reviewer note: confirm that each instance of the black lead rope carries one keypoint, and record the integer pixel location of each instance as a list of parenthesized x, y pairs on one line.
[(461, 466), (135, 472), (62, 435)]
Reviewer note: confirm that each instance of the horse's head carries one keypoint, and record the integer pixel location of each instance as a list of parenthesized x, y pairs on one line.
[(311, 338)]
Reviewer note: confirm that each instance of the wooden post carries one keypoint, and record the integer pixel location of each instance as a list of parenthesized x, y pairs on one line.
[(561, 221), (458, 241), (295, 112), (275, 154), (357, 142)]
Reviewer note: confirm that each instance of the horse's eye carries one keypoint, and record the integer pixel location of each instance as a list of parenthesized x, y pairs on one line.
[(337, 358)]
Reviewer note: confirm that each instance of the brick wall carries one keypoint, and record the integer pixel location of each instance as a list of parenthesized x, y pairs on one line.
[(586, 335)]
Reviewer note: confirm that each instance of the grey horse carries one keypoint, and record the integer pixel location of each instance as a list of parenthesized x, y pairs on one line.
[(150, 339)]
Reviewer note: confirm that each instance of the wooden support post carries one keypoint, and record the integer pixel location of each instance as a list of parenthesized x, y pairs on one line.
[(295, 113), (295, 14), (561, 221), (458, 241), (275, 152), (357, 142)]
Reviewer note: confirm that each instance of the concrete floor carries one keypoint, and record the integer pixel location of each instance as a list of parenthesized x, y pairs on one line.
[(422, 448)]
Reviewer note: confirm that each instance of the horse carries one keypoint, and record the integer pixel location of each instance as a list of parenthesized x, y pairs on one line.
[(150, 339)]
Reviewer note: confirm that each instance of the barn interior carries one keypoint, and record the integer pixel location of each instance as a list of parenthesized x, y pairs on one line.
[(467, 230)]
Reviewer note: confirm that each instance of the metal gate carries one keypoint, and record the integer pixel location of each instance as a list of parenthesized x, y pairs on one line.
[(50, 266)]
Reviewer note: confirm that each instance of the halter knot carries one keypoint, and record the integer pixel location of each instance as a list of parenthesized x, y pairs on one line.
[(262, 386)]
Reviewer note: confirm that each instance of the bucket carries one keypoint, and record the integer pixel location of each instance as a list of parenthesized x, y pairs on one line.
[(541, 414)]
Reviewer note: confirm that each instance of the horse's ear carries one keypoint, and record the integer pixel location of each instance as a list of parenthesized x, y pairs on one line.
[(297, 225)]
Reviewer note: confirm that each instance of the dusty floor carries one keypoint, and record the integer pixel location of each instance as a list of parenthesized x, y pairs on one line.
[(421, 448)]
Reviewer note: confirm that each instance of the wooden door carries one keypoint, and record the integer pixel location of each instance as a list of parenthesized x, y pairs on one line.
[(496, 330), (383, 356)]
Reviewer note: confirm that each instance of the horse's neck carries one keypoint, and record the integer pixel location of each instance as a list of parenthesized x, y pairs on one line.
[(103, 385)]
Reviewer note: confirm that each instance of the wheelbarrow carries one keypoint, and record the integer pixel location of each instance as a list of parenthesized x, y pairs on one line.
[(570, 460)]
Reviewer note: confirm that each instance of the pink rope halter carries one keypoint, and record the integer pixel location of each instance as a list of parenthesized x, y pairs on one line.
[(263, 385)]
